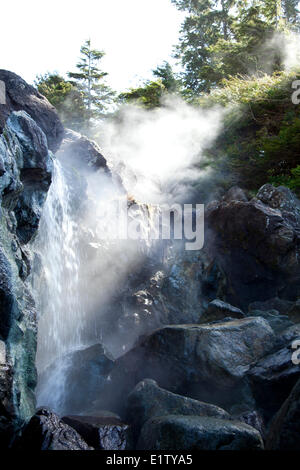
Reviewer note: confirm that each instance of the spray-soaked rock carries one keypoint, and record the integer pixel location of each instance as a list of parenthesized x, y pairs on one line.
[(218, 310), (192, 433), (46, 431), (78, 380), (148, 400), (101, 432), (284, 433), (206, 362), (256, 246), (82, 152)]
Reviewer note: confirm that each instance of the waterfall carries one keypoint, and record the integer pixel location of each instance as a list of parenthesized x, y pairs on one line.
[(56, 280), (78, 275)]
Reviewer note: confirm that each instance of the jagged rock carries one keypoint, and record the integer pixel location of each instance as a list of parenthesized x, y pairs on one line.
[(23, 97), (197, 433), (284, 433), (272, 378), (103, 433), (278, 322), (206, 362), (25, 176), (283, 199), (45, 431), (84, 377), (218, 310), (256, 247), (148, 400)]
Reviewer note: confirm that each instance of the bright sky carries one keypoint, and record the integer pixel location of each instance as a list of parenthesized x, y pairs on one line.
[(37, 36)]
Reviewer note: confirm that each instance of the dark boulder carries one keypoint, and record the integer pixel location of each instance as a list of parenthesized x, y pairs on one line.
[(218, 310), (46, 431), (23, 97), (284, 433), (256, 247), (191, 433), (147, 400), (101, 432)]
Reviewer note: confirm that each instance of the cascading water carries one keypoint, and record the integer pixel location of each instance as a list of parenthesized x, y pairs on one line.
[(78, 273), (60, 322)]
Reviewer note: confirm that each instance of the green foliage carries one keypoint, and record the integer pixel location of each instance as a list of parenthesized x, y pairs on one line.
[(65, 97), (220, 39), (151, 93), (261, 138)]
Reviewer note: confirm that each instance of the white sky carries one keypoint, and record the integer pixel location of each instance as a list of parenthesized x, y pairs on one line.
[(37, 36)]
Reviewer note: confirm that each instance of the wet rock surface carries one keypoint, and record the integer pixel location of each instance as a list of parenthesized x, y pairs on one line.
[(197, 433), (26, 167), (85, 375), (101, 432), (46, 431)]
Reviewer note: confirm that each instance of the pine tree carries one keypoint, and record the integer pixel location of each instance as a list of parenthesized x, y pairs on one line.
[(97, 95), (231, 37)]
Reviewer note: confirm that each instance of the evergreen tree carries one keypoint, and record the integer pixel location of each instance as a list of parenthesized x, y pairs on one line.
[(229, 37), (89, 79)]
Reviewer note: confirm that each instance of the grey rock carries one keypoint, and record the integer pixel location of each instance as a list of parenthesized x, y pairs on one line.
[(205, 362), (101, 432), (23, 97), (191, 433), (46, 431), (147, 400), (256, 247)]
